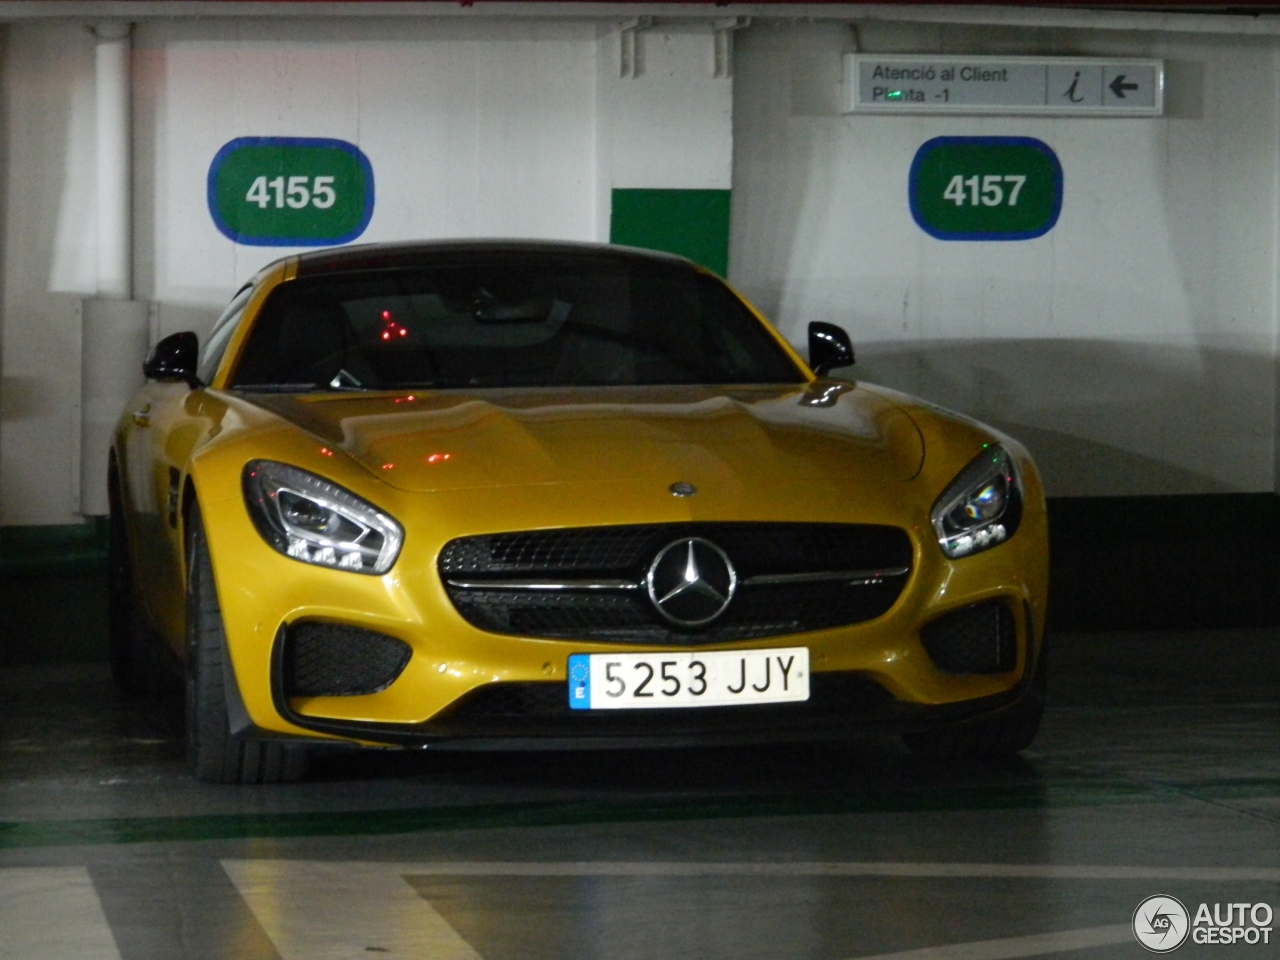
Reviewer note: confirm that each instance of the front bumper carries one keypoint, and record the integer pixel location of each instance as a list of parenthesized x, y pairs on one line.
[(538, 718), (883, 676)]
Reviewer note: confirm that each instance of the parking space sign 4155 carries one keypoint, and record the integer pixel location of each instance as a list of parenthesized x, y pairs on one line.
[(290, 191)]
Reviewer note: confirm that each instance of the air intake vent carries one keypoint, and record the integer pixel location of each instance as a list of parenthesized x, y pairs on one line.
[(977, 639), (336, 660)]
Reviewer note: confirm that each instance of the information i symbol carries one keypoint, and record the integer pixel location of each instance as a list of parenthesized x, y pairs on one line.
[(1071, 90)]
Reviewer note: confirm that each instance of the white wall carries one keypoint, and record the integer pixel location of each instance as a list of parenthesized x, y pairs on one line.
[(670, 125), (472, 130), (1131, 348)]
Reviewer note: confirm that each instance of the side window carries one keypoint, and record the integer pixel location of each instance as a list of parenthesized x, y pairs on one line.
[(220, 336)]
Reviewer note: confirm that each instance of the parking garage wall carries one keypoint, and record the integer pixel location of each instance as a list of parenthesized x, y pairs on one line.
[(498, 128), (1131, 347)]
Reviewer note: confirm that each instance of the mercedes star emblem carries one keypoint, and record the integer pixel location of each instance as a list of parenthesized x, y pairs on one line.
[(691, 581), (682, 489)]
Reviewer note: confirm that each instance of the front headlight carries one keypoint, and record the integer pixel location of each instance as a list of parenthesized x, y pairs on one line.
[(982, 506), (310, 519)]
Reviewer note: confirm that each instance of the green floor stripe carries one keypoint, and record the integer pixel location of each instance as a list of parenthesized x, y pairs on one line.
[(1244, 786), (492, 816)]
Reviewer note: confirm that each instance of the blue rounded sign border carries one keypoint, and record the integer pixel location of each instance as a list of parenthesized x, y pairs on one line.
[(1039, 145), (231, 146)]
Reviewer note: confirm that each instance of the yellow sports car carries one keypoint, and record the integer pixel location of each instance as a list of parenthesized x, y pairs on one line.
[(519, 494)]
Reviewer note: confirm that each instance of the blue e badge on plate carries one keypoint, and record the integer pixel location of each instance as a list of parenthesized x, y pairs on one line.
[(579, 681)]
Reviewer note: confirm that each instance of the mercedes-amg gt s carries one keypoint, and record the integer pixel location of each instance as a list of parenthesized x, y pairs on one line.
[(523, 494)]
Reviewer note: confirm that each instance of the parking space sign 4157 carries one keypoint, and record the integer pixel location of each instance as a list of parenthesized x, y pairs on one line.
[(985, 188)]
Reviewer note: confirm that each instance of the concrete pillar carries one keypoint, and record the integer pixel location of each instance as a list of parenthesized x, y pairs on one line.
[(114, 160), (115, 329), (665, 133)]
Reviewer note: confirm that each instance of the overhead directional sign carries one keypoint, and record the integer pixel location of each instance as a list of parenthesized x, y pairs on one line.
[(1058, 86)]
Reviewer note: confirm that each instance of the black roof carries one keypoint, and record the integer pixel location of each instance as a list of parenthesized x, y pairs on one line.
[(393, 256)]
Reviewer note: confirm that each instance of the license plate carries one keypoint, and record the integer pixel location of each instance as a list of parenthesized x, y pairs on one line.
[(715, 678)]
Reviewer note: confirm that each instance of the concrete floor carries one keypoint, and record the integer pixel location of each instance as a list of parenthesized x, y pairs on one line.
[(1157, 772)]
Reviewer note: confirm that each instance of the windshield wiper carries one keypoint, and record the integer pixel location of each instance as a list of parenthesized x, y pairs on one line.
[(299, 388), (278, 387)]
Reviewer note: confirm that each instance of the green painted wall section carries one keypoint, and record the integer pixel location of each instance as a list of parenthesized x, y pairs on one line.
[(691, 223)]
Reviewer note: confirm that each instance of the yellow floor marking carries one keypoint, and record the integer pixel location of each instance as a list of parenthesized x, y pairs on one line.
[(52, 913), (315, 910)]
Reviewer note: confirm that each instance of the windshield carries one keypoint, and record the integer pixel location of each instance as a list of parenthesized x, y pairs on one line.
[(509, 320)]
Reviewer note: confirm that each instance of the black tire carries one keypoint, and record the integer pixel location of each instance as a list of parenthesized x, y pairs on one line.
[(213, 754), (996, 738), (135, 656)]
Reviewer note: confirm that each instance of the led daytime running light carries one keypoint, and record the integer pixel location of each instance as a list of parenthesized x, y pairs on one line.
[(314, 521), (981, 508)]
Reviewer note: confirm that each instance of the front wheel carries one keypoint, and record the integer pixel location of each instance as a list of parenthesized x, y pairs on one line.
[(213, 754)]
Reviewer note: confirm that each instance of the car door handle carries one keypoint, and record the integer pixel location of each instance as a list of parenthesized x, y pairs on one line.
[(140, 416)]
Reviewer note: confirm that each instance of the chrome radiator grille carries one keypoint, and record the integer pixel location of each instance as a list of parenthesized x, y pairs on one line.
[(599, 583)]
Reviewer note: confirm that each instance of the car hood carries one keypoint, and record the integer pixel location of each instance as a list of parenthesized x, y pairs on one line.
[(828, 430)]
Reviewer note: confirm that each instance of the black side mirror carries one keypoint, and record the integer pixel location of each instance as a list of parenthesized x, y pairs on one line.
[(829, 348), (174, 358)]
